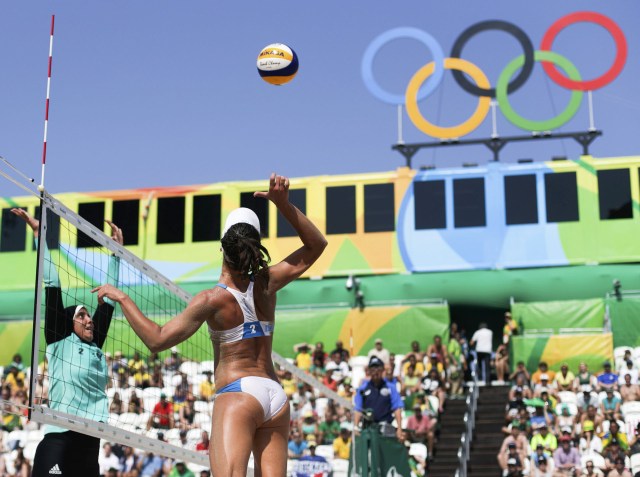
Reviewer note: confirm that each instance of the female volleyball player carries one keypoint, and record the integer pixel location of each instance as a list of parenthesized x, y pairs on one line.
[(251, 411), (77, 370)]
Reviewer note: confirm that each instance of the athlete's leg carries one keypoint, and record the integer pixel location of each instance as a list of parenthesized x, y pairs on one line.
[(236, 416), (51, 456), (270, 446)]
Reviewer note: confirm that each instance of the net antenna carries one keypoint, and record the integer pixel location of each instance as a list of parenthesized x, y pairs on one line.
[(46, 108)]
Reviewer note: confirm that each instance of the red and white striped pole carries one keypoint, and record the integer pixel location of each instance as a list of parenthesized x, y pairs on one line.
[(46, 111)]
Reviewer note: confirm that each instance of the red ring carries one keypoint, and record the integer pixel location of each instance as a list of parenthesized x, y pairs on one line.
[(599, 19)]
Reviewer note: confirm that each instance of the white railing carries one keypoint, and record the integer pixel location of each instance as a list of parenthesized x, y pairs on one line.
[(464, 450)]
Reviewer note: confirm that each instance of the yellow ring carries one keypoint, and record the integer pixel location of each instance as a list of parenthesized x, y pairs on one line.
[(411, 100)]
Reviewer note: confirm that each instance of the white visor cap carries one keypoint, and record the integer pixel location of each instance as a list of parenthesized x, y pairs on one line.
[(241, 215)]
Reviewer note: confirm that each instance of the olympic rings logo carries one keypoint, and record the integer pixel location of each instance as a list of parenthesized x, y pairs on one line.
[(425, 81)]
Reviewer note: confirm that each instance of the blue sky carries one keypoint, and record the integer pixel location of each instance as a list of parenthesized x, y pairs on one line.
[(158, 93)]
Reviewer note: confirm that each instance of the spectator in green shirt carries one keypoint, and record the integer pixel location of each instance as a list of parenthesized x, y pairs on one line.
[(329, 430), (181, 470), (544, 437)]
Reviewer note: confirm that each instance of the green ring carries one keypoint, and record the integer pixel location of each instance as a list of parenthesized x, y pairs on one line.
[(527, 124)]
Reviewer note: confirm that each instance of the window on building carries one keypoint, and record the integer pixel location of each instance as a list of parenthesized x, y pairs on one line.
[(53, 229), (297, 197), (13, 233), (260, 207), (429, 199), (92, 212), (561, 192), (126, 215), (469, 203), (379, 208), (206, 217), (341, 209), (521, 199), (614, 194), (171, 215)]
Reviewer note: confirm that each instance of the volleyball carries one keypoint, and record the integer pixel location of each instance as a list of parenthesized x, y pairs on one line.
[(277, 63)]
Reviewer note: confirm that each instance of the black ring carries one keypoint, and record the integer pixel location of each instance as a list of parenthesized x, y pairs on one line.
[(506, 27)]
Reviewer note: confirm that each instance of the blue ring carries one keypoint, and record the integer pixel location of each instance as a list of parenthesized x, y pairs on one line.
[(402, 32)]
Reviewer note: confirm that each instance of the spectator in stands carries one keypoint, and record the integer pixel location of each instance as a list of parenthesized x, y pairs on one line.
[(514, 468), (521, 376), (205, 473), (138, 369), (203, 444), (344, 354), (501, 362), (482, 339), (288, 384), (610, 406), (436, 365), (128, 463), (619, 469), (514, 445), (181, 470), (584, 378), (543, 368), (393, 369), (380, 396), (116, 406), (516, 400), (543, 469), (629, 391), (338, 365), (612, 451), (509, 457), (182, 390), (543, 386), (162, 414), (590, 443), (297, 445), (565, 420), (412, 360), (107, 459), (208, 388), (549, 401), (615, 434), (439, 350), (173, 361), (510, 328), (329, 381), (187, 415), (538, 454), (303, 357), (630, 370), (586, 398), (565, 379), (119, 368), (567, 458), (329, 429), (41, 395), (592, 416), (544, 437), (379, 351), (157, 378), (432, 385), (455, 373), (542, 415), (607, 379), (319, 356), (415, 352), (342, 443), (21, 464), (521, 384), (422, 428), (634, 442), (591, 470), (150, 465), (309, 424), (136, 405)]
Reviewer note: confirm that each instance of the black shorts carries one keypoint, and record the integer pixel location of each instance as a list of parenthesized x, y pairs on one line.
[(67, 454)]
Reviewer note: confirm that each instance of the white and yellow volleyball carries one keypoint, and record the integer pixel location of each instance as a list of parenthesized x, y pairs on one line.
[(277, 63)]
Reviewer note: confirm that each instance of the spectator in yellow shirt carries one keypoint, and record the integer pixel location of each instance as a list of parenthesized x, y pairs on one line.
[(565, 379), (543, 368), (207, 388), (510, 328), (342, 443), (418, 366), (303, 358)]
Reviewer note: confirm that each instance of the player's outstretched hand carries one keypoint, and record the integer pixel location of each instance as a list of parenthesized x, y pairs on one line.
[(116, 232), (109, 291), (31, 222), (278, 190)]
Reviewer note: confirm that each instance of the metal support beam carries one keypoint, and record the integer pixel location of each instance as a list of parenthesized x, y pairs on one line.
[(495, 144)]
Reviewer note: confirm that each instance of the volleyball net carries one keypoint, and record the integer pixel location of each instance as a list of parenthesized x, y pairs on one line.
[(151, 398)]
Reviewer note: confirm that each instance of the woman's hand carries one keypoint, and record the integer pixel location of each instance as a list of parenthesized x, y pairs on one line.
[(116, 232), (109, 291), (31, 222), (278, 190)]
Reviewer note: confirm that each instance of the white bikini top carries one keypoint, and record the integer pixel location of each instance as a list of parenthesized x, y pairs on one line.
[(251, 326)]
